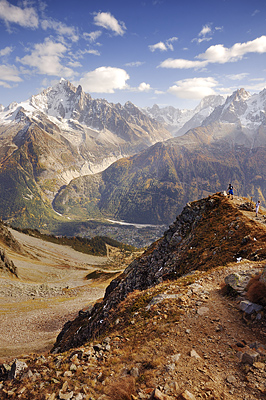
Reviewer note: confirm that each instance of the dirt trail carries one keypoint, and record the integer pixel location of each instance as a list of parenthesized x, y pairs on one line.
[(50, 290)]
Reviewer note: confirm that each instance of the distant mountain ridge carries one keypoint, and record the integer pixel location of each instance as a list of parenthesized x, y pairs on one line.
[(154, 185), (60, 134), (53, 146), (179, 121)]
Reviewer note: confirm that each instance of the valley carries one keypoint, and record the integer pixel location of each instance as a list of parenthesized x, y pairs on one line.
[(51, 288)]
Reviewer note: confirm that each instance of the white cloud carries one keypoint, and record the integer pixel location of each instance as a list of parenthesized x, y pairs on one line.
[(135, 64), (6, 85), (255, 12), (92, 36), (108, 21), (163, 46), (170, 41), (6, 51), (104, 80), (26, 17), (60, 28), (257, 87), (238, 77), (204, 35), (144, 87), (94, 52), (219, 54), (182, 64), (158, 46), (45, 57), (74, 64), (9, 73), (195, 88), (205, 30)]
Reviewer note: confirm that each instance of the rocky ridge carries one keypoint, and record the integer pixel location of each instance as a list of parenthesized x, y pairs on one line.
[(7, 240), (208, 233), (174, 337), (179, 341)]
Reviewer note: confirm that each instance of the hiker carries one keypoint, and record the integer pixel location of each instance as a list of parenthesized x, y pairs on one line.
[(230, 191), (257, 207)]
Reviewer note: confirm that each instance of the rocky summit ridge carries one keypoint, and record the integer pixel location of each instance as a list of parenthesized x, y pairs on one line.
[(208, 233), (172, 336)]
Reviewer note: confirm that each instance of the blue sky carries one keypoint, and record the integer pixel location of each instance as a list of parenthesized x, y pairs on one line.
[(166, 52)]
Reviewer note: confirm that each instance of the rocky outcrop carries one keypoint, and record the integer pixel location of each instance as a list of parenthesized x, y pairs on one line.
[(207, 233), (7, 265), (8, 239)]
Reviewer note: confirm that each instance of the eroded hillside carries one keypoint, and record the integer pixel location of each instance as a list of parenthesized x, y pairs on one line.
[(159, 335), (208, 233)]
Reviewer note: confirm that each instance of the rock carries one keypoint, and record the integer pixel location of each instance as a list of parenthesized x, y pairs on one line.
[(231, 379), (203, 310), (186, 395), (193, 353), (79, 396), (237, 281), (170, 367), (249, 307), (65, 396), (134, 372), (7, 265), (4, 370), (263, 276), (51, 396), (27, 375), (158, 395), (175, 358), (160, 297), (73, 367), (16, 369), (259, 365), (249, 356)]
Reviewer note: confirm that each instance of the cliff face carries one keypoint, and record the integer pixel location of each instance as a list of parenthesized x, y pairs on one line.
[(208, 233)]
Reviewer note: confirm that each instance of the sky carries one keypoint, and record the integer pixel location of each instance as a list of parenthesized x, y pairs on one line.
[(165, 52)]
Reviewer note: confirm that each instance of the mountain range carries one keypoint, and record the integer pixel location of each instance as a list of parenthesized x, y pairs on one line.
[(153, 186), (58, 135), (179, 121), (63, 151)]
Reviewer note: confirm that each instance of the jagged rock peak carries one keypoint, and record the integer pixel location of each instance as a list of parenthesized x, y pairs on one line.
[(240, 95), (210, 101)]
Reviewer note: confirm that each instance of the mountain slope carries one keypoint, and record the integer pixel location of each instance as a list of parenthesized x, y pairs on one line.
[(153, 186), (208, 233), (58, 135), (171, 339)]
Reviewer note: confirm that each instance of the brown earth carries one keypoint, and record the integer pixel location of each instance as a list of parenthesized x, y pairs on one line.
[(187, 342), (50, 289)]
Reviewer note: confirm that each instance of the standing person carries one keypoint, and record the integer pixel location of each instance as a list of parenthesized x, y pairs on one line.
[(230, 191), (257, 207)]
